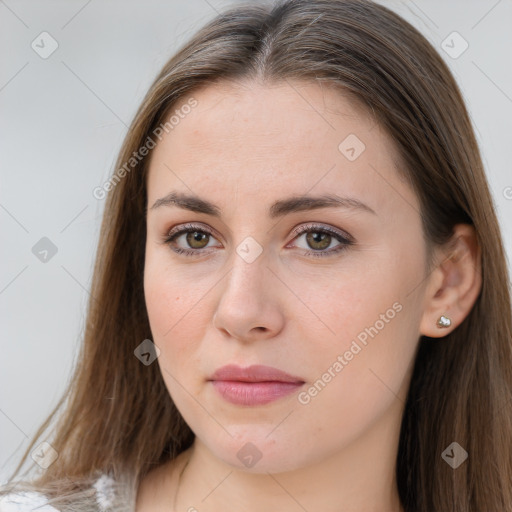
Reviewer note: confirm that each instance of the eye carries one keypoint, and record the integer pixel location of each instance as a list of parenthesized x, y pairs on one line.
[(194, 237), (319, 238)]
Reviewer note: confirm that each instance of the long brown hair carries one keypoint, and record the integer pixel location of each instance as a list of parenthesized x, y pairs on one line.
[(117, 415)]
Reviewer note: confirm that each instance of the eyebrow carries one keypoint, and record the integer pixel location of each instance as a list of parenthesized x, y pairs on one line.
[(278, 209)]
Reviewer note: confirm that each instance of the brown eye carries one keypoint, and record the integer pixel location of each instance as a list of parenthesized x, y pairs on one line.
[(190, 240), (318, 240), (197, 239)]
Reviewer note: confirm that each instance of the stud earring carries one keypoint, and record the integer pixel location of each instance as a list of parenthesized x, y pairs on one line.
[(443, 321)]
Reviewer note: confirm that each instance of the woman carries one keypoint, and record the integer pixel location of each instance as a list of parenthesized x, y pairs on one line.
[(300, 299)]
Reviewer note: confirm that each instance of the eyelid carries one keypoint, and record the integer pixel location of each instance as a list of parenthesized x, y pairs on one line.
[(181, 228), (309, 226), (296, 231)]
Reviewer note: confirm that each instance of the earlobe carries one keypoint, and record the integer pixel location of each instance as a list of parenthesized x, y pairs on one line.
[(454, 284)]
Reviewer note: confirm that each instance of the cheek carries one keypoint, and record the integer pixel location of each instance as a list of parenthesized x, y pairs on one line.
[(167, 293), (176, 314), (368, 341), (338, 309), (171, 317), (170, 305), (349, 394), (163, 302)]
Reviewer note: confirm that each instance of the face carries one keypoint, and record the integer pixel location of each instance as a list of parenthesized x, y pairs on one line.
[(329, 293)]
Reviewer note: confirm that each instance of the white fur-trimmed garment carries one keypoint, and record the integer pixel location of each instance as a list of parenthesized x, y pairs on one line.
[(103, 500)]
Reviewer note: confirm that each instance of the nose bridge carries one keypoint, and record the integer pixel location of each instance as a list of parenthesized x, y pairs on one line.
[(248, 304), (248, 271), (249, 257)]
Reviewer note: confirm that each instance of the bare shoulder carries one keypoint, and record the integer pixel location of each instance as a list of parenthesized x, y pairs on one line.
[(157, 488)]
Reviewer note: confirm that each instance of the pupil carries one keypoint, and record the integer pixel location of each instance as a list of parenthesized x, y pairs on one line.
[(322, 239), (196, 239)]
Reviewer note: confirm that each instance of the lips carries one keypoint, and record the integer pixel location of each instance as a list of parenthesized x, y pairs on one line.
[(253, 385)]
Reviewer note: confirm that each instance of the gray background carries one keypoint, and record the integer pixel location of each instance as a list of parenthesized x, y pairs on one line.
[(62, 122)]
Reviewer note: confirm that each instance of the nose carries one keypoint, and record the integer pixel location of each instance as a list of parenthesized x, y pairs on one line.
[(250, 303)]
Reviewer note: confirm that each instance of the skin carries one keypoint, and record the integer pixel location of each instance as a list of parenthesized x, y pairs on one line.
[(243, 147)]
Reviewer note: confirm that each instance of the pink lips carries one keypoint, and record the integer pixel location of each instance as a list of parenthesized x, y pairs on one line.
[(253, 385)]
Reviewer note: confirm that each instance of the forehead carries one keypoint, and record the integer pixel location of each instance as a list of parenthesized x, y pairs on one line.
[(273, 140)]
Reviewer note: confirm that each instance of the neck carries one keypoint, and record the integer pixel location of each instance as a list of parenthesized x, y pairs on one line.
[(357, 478)]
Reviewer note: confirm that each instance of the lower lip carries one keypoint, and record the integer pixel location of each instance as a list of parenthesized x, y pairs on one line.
[(254, 393)]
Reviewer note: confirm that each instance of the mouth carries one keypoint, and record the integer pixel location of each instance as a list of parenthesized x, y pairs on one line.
[(253, 385)]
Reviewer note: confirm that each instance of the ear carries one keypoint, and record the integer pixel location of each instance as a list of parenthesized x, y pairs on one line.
[(454, 284)]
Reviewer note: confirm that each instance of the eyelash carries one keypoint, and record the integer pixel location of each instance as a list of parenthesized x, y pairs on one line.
[(314, 228)]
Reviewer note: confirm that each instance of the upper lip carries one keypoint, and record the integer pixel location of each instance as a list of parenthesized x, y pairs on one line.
[(254, 373)]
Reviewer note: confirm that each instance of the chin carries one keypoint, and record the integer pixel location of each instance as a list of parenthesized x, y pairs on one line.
[(252, 449)]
